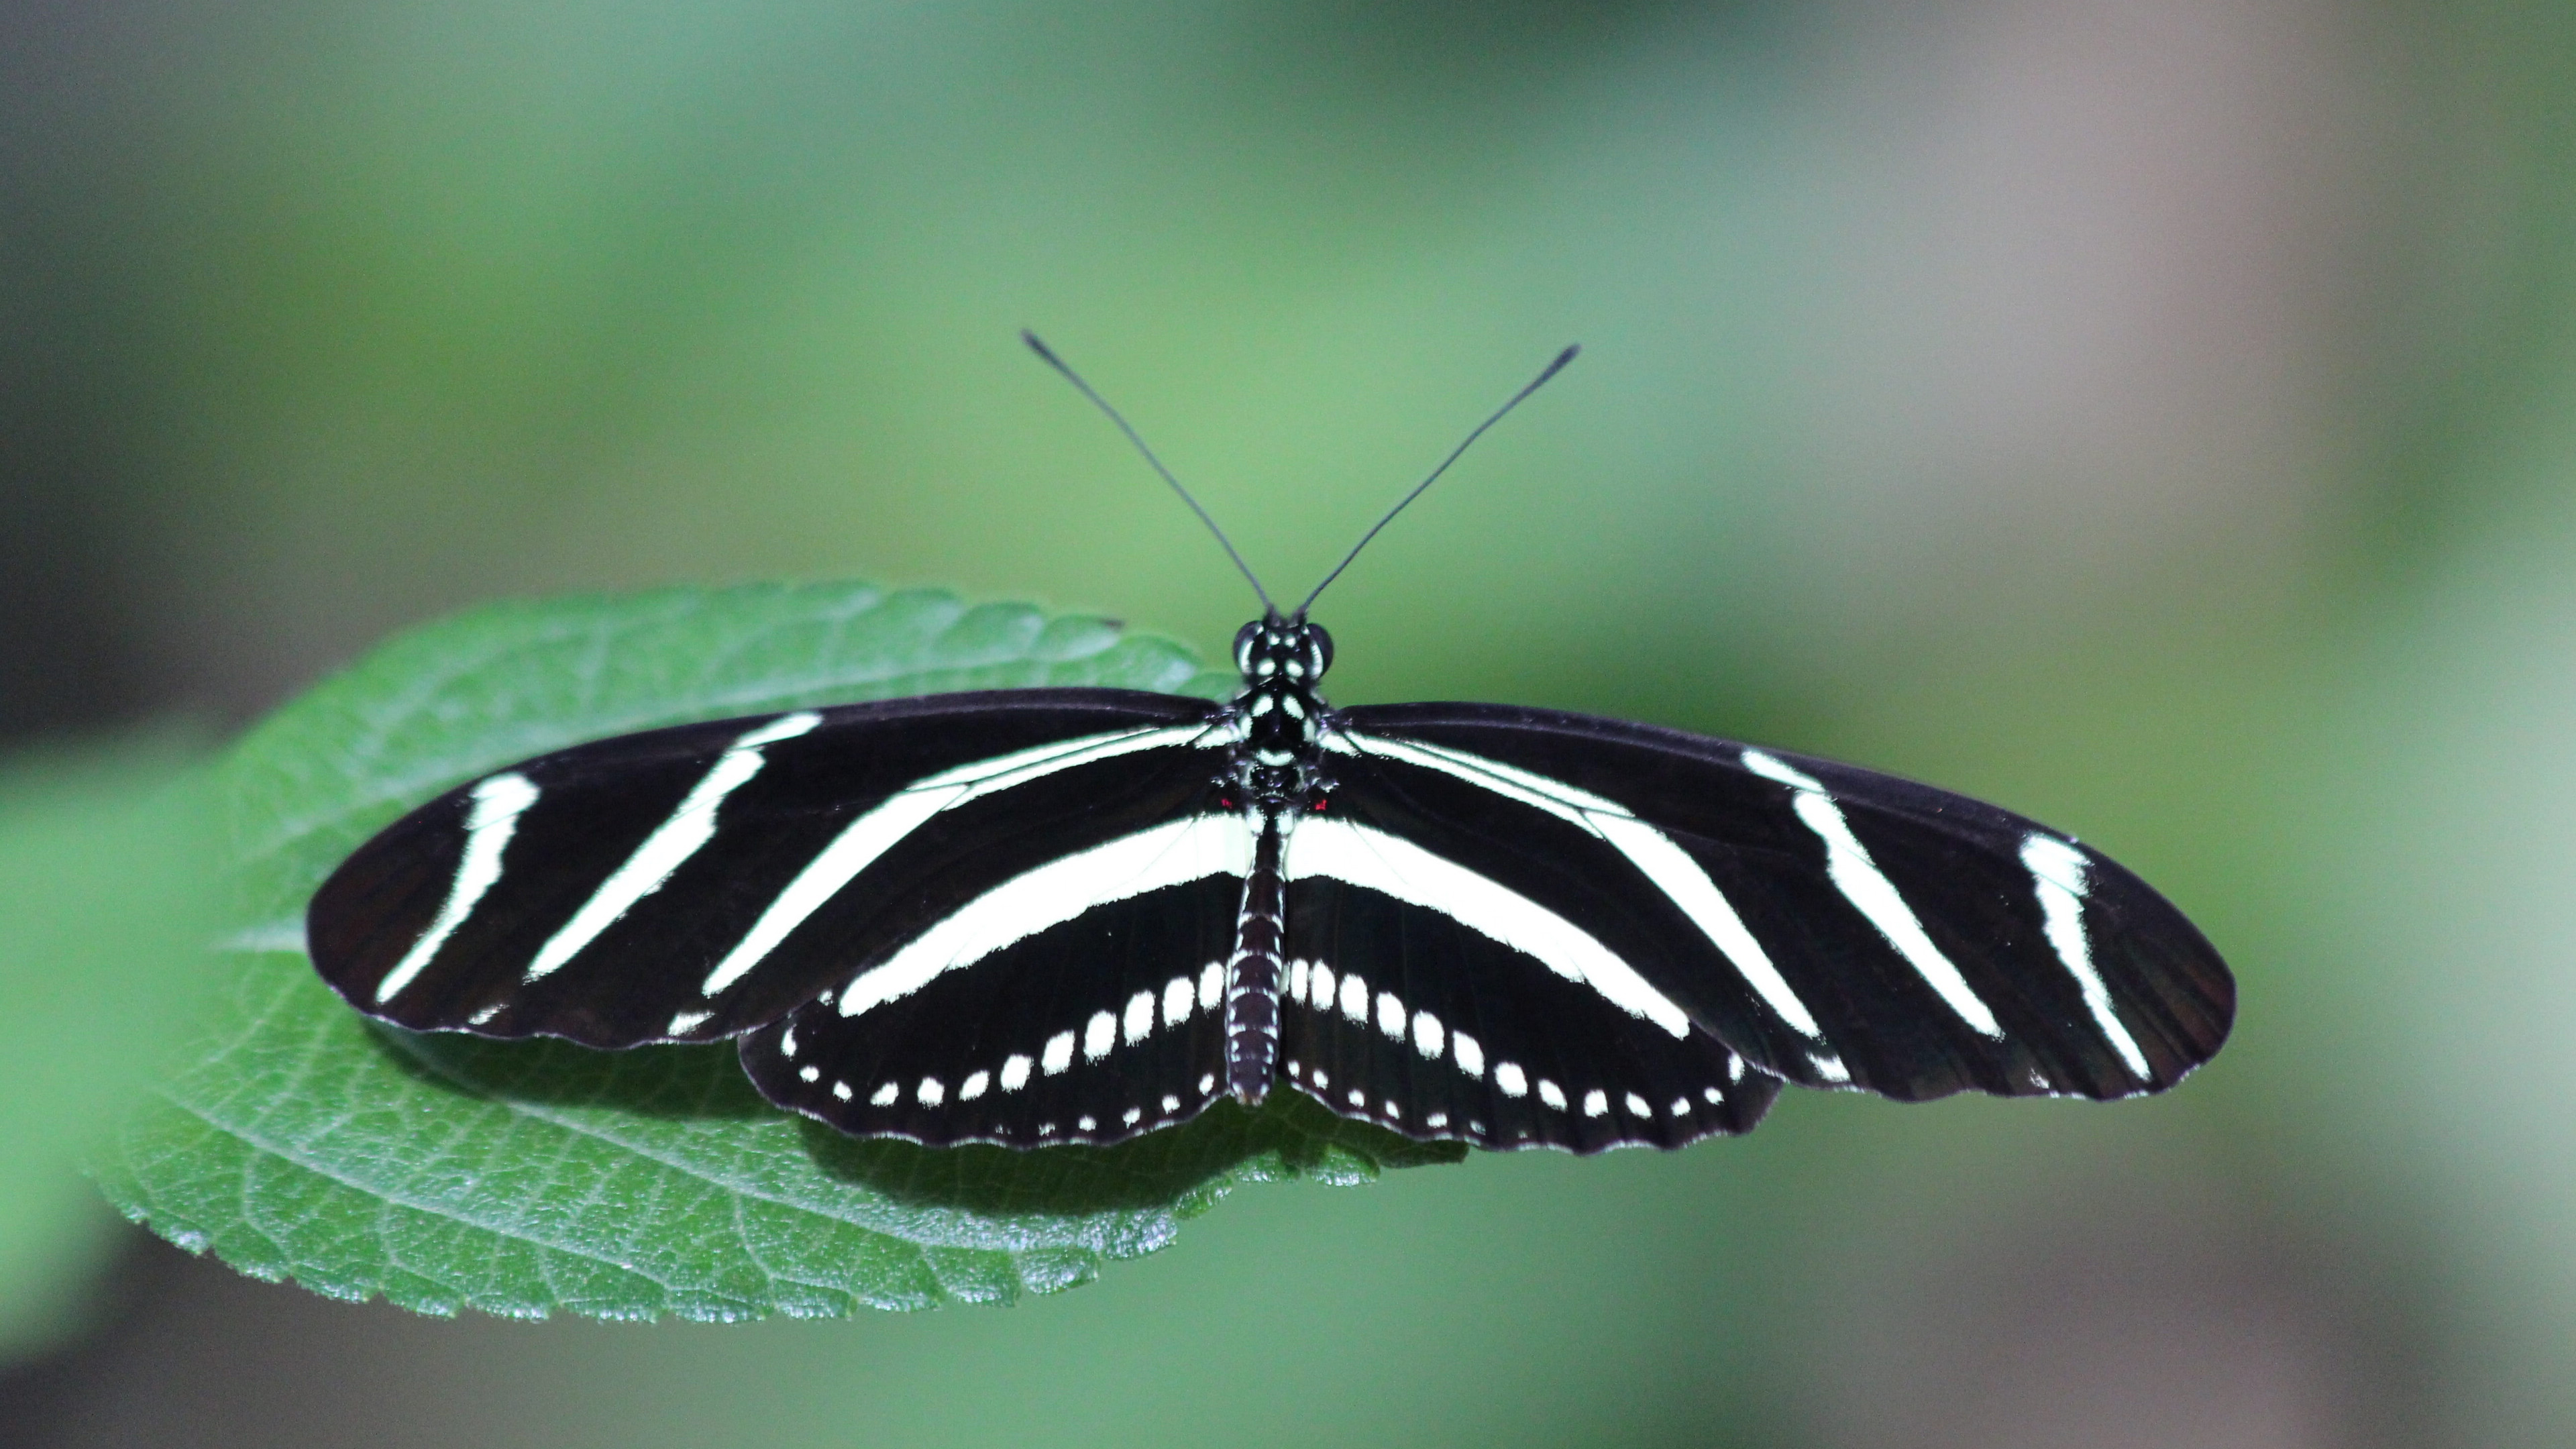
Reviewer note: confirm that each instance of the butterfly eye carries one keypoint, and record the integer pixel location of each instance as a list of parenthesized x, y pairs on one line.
[(1319, 650), (1244, 639)]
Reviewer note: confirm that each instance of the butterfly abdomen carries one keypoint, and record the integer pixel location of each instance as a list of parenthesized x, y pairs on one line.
[(1252, 974)]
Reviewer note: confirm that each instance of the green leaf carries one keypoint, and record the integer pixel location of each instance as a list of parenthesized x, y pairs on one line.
[(445, 1172)]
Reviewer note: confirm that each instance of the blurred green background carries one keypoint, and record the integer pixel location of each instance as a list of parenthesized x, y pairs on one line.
[(2159, 419)]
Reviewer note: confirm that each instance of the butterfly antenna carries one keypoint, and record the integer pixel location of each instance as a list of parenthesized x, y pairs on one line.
[(1551, 370), (1048, 355)]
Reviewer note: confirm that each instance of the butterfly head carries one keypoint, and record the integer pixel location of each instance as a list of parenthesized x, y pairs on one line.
[(1277, 649)]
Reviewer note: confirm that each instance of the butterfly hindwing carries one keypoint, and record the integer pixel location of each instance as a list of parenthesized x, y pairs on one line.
[(1092, 1029), (1406, 1015), (694, 882), (1838, 926)]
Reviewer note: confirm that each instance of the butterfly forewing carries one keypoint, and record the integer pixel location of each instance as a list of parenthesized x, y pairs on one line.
[(692, 883), (1837, 926)]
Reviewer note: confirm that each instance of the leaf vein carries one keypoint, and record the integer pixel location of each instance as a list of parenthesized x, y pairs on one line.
[(320, 1167)]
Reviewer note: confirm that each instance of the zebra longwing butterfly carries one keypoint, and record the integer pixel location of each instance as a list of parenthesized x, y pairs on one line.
[(1048, 916)]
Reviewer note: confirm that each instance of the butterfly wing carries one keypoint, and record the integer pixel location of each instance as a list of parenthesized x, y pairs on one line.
[(1836, 926), (1437, 1025), (693, 883), (1099, 1019)]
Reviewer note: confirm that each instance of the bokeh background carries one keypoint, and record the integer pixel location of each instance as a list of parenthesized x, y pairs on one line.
[(2159, 419)]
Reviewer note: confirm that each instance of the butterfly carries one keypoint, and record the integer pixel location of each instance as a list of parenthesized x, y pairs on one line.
[(1073, 915)]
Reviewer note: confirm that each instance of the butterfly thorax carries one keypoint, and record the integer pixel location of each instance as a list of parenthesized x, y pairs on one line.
[(1276, 767)]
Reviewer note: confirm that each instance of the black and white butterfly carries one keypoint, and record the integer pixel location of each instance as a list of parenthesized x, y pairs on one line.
[(1046, 916)]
